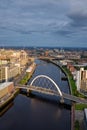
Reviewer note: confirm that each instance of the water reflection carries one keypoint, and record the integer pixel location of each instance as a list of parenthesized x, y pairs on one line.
[(6, 108)]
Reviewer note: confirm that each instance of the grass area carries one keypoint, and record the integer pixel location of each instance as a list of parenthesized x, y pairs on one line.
[(85, 67), (80, 106), (74, 91), (72, 83), (25, 79), (77, 126)]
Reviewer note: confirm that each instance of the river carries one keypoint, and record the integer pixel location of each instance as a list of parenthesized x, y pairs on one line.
[(39, 111)]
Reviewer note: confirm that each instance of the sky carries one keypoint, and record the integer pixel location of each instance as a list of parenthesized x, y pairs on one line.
[(59, 23)]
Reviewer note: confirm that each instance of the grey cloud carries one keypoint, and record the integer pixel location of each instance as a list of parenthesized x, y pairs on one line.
[(78, 19), (29, 12), (52, 17), (64, 32)]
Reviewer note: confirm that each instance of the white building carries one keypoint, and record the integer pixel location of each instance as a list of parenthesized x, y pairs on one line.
[(78, 80), (81, 79)]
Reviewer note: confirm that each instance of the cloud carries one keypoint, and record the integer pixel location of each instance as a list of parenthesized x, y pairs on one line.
[(57, 18), (78, 13), (79, 19), (64, 32), (78, 5)]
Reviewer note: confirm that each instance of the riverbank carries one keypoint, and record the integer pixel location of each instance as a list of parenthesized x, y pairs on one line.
[(29, 73), (79, 120), (8, 98), (71, 91), (77, 110), (63, 70), (7, 101)]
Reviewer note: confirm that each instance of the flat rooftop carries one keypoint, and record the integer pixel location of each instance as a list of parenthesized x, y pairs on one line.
[(5, 84)]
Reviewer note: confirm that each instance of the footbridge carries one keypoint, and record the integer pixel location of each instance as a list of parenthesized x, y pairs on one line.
[(44, 84)]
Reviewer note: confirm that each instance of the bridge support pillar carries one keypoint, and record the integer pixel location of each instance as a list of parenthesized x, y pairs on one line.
[(62, 100), (28, 92)]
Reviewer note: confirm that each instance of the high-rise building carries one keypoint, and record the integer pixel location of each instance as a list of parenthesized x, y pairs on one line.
[(81, 79), (78, 80)]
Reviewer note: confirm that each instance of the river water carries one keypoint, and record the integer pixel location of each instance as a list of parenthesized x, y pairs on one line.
[(39, 111)]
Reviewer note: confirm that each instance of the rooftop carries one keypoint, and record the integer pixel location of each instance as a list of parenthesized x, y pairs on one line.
[(4, 85)]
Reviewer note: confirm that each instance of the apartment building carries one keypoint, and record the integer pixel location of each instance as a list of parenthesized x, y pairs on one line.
[(7, 73), (81, 79)]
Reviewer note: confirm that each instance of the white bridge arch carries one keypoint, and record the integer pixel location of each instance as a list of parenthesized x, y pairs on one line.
[(44, 76)]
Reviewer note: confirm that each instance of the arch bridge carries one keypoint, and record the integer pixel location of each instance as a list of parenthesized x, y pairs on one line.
[(46, 85)]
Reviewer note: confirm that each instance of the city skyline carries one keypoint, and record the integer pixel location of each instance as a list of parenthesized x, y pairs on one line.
[(43, 23)]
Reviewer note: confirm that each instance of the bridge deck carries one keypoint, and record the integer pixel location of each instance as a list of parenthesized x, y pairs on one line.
[(52, 92)]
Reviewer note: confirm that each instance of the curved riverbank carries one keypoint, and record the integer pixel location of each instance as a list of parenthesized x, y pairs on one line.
[(64, 73), (70, 87), (76, 108)]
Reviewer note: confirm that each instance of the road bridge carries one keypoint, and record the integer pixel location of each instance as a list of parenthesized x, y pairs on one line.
[(49, 87)]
